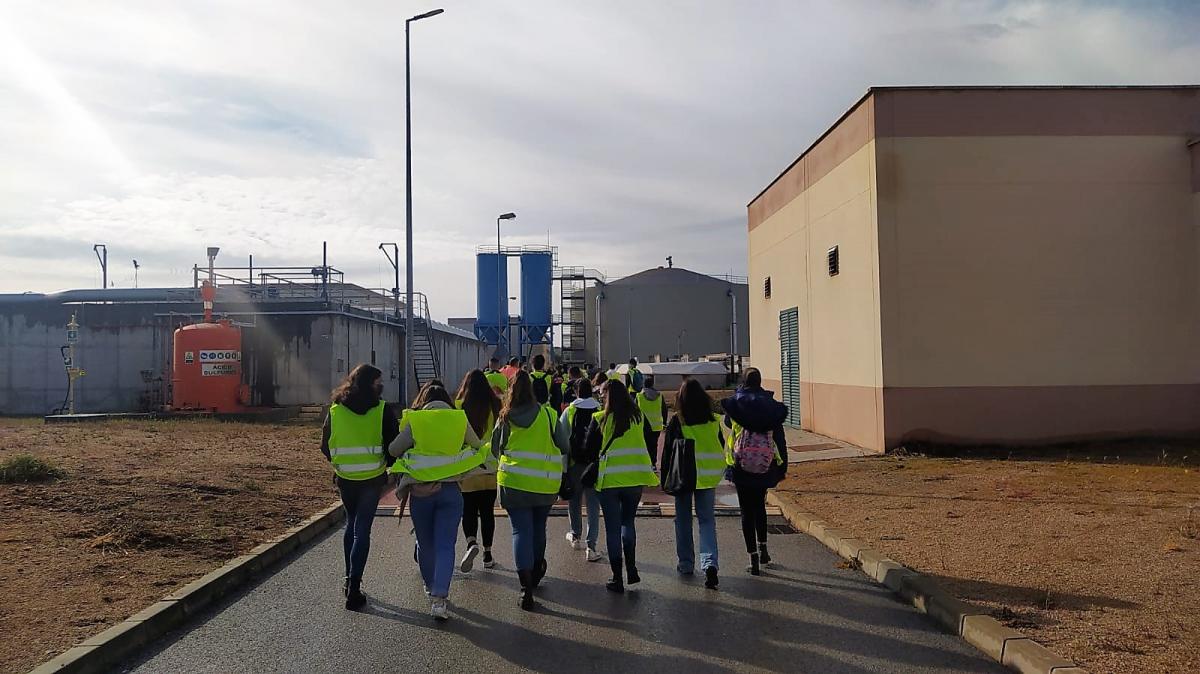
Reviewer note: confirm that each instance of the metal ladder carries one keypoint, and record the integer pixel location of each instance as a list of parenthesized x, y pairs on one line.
[(424, 354)]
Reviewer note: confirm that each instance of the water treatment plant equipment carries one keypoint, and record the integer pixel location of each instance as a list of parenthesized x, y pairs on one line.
[(537, 273)]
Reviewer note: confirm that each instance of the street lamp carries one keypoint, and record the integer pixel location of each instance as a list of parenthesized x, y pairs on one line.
[(394, 258), (101, 252), (408, 226), (501, 319), (136, 267)]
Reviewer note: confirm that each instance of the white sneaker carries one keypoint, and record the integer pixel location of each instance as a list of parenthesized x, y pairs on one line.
[(593, 556), (437, 609), (468, 560), (576, 542)]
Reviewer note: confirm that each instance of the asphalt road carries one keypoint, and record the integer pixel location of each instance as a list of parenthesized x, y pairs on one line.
[(806, 615)]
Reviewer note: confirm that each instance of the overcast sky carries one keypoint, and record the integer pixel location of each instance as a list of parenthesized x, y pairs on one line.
[(626, 131)]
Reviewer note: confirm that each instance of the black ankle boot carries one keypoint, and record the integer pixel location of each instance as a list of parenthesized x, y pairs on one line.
[(617, 584), (631, 565), (754, 568), (355, 599), (526, 578), (762, 554), (539, 572), (346, 586), (710, 578)]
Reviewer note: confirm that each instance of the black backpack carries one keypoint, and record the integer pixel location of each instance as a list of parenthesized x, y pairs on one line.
[(579, 429), (541, 387)]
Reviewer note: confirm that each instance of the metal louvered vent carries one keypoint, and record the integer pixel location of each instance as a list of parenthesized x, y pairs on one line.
[(767, 288), (831, 258)]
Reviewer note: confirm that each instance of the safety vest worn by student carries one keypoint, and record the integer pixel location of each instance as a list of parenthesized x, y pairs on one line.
[(625, 462), (710, 454), (652, 410), (497, 380), (438, 450), (531, 461), (356, 442), (489, 460)]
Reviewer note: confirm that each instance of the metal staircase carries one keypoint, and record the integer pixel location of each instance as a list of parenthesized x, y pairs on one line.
[(424, 351), (573, 283)]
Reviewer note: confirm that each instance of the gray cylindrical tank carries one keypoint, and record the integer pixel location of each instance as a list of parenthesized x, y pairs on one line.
[(536, 278), (491, 296)]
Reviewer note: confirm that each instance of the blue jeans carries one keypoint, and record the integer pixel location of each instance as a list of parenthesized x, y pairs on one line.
[(359, 500), (575, 508), (620, 508), (436, 519), (705, 514), (529, 535)]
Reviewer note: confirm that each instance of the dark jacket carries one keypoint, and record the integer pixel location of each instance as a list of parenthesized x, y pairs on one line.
[(391, 428), (756, 409)]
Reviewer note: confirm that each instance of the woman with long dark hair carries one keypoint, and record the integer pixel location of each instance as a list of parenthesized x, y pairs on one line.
[(435, 450), (616, 441), (353, 437), (758, 458), (530, 477), (476, 397), (696, 427)]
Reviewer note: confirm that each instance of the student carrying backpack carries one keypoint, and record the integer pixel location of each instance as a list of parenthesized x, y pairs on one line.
[(572, 432)]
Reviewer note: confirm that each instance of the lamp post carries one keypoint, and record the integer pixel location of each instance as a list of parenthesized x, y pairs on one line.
[(101, 252), (501, 319), (408, 225), (394, 259), (136, 267)]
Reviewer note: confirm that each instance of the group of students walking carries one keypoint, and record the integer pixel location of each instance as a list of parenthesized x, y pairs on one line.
[(533, 439)]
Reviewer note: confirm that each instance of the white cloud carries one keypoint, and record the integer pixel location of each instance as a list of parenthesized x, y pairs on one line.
[(631, 130)]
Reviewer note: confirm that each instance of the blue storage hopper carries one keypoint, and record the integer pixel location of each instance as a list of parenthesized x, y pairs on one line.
[(491, 298), (537, 275)]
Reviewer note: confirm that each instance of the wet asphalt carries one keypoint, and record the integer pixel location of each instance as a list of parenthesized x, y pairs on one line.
[(804, 615)]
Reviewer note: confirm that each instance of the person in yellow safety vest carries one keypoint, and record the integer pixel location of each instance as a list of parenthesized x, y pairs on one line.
[(695, 424), (572, 431), (612, 372), (754, 409), (654, 409), (435, 450), (356, 430), (543, 383), (616, 441), (569, 385), (482, 406), (496, 378), (633, 377), (530, 477)]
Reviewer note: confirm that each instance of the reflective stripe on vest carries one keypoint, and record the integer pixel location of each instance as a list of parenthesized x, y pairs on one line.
[(438, 451), (356, 442), (531, 461), (710, 454), (652, 410), (625, 462)]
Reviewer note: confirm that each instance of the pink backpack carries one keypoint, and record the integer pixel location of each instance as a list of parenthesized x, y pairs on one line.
[(754, 452)]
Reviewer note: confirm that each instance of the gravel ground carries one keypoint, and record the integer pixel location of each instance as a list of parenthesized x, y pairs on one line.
[(146, 507), (1095, 560)]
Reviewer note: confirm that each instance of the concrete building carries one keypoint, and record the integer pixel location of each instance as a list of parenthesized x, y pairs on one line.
[(666, 311), (297, 343), (986, 264)]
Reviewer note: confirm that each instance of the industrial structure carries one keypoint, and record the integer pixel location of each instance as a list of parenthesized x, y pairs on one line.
[(667, 313), (986, 264), (281, 337)]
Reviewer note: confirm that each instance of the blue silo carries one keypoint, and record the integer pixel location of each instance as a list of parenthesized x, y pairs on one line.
[(537, 275), (491, 298)]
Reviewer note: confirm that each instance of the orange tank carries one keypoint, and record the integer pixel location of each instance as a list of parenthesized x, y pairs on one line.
[(208, 368)]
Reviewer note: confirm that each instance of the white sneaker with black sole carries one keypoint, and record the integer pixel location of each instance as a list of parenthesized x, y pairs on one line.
[(468, 560), (437, 609), (593, 556), (576, 542)]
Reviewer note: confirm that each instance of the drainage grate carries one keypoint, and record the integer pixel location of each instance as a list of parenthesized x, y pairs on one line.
[(778, 526)]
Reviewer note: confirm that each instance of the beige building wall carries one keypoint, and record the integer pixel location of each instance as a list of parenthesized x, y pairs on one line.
[(832, 204)]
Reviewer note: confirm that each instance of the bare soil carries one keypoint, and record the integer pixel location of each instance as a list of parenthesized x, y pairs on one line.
[(146, 507), (1094, 556)]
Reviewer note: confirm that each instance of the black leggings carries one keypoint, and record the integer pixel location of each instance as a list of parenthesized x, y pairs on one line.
[(753, 503), (478, 509)]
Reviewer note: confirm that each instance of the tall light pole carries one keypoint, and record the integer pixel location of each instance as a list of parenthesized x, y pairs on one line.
[(408, 226), (101, 252), (136, 267), (394, 259), (501, 319)]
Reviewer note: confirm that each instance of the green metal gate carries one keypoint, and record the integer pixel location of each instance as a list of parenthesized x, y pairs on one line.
[(789, 363)]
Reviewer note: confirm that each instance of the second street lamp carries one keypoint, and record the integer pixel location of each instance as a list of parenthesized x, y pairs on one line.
[(501, 319), (408, 225)]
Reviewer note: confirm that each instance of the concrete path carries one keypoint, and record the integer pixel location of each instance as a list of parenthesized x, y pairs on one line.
[(808, 446), (807, 615)]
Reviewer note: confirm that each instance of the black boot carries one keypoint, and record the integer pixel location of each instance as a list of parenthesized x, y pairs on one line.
[(616, 584), (710, 578), (355, 599), (753, 568), (762, 554), (631, 565), (539, 572), (345, 586), (526, 578)]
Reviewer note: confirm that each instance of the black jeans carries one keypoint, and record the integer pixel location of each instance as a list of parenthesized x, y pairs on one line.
[(359, 499), (753, 503), (478, 513)]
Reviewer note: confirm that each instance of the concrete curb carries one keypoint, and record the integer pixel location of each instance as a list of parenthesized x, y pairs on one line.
[(973, 624), (102, 651)]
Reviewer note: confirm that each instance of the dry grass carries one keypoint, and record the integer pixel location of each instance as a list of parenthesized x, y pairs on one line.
[(1099, 561), (145, 508)]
